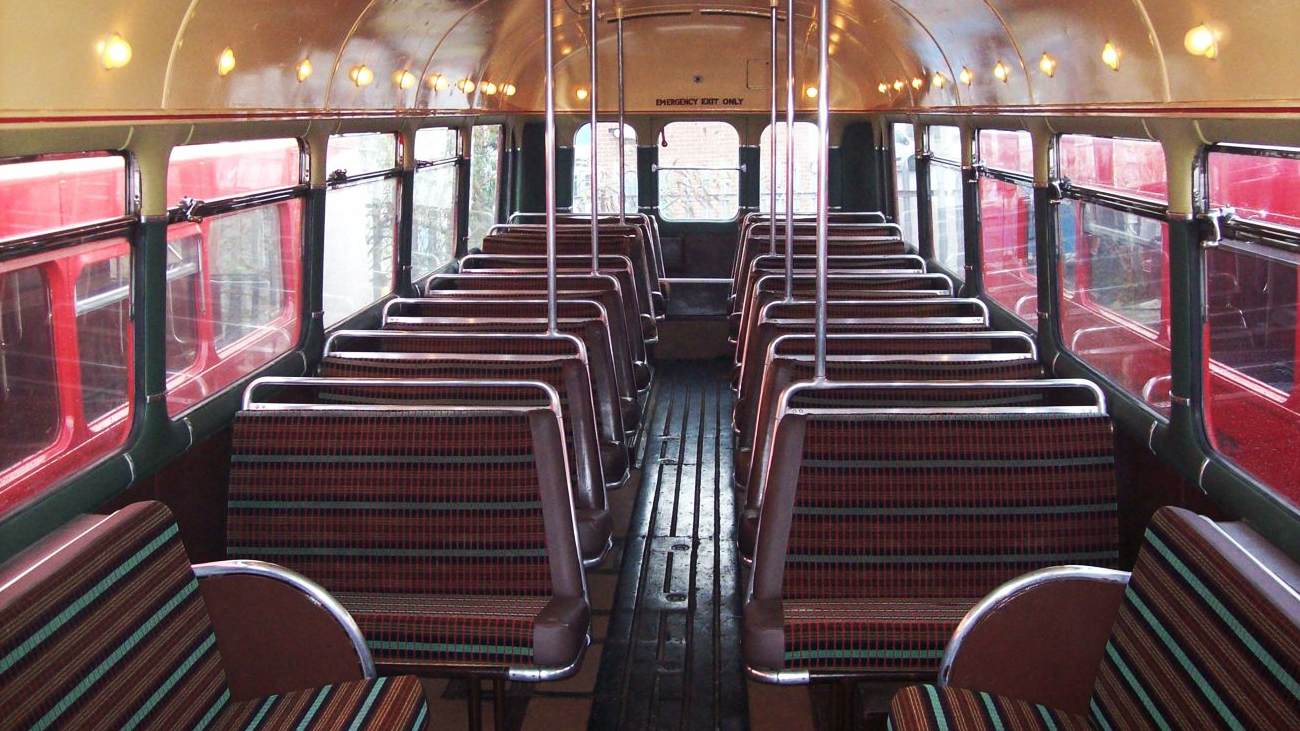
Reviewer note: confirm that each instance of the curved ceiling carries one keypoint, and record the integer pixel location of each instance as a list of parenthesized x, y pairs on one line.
[(886, 54)]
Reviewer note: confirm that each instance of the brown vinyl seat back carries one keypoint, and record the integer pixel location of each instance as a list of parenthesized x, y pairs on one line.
[(807, 247), (883, 523), (928, 315), (613, 239), (775, 264), (844, 285), (404, 497)]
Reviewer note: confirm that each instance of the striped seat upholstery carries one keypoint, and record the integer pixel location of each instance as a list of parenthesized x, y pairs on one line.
[(102, 625), (1206, 637), (400, 512), (879, 530), (568, 376)]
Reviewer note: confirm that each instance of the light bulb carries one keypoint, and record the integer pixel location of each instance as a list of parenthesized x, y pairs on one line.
[(1110, 56), (810, 92), (883, 88), (361, 75), (489, 88), (938, 81), (582, 94), (509, 90), (438, 82), (226, 62), (1047, 64), (404, 80), (1001, 72), (303, 70), (1201, 41), (114, 53), (966, 76)]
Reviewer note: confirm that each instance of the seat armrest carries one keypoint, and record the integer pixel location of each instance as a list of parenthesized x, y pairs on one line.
[(278, 631), (1038, 638)]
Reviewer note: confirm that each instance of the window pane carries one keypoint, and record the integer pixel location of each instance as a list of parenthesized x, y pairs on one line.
[(946, 215), (484, 170), (437, 143), (65, 364), (1250, 409), (1115, 296), (1006, 150), (1256, 187), (699, 172), (607, 158), (805, 168), (224, 169), (433, 227), (232, 298), (360, 240), (1009, 257), (1135, 167), (46, 195), (360, 154), (945, 142), (905, 201)]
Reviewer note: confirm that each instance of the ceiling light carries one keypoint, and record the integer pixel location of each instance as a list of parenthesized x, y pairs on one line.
[(938, 81), (438, 82), (898, 84), (810, 92), (1002, 72), (1201, 41), (1047, 64), (466, 86), (303, 70), (966, 76), (581, 93), (883, 88), (917, 83), (226, 62), (489, 88), (404, 80), (509, 90), (361, 75), (1110, 56), (114, 53)]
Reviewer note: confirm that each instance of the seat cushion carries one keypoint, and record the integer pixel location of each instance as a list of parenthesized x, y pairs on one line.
[(385, 704), (411, 630), (849, 634), (923, 707)]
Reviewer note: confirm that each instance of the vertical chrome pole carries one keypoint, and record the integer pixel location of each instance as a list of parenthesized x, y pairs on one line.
[(551, 306), (595, 128), (771, 147), (823, 180), (622, 124), (789, 151)]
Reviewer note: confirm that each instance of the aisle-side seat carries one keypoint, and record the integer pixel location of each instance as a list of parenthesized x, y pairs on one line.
[(775, 264), (105, 624), (806, 246), (1204, 633), (613, 239), (439, 513), (886, 519), (841, 285), (569, 350), (619, 267), (567, 375), (601, 287), (483, 311), (929, 315)]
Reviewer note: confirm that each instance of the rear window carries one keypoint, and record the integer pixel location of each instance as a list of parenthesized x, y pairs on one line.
[(699, 171)]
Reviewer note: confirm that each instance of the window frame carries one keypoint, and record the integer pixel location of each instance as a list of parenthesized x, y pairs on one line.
[(739, 170)]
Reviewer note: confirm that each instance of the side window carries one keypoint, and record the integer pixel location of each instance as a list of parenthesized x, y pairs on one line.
[(65, 319), (360, 222), (946, 208), (433, 223), (607, 158), (233, 272), (1114, 263), (805, 168), (1251, 280), (484, 172), (699, 172), (1008, 249), (905, 199)]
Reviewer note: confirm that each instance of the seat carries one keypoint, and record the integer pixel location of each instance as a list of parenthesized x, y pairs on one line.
[(570, 350), (105, 624), (567, 375), (487, 312), (1204, 633), (765, 264), (886, 514), (439, 513)]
